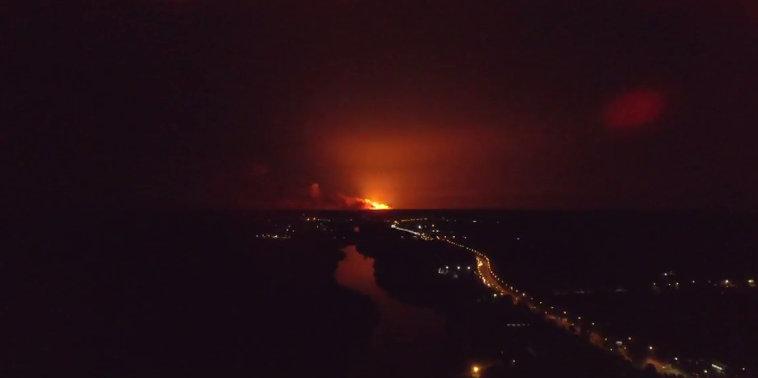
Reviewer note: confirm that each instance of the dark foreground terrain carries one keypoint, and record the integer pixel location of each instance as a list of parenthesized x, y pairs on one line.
[(681, 282), (343, 294), (178, 294)]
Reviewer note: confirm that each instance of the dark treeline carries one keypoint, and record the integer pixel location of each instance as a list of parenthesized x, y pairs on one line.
[(409, 271), (540, 349), (172, 294), (490, 332)]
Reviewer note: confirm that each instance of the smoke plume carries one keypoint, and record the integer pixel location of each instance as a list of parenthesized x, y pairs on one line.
[(313, 198)]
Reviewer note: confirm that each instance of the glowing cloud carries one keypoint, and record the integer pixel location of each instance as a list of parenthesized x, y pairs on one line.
[(373, 205), (362, 203), (314, 198), (633, 109)]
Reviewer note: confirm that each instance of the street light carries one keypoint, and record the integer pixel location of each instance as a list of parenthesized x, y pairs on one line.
[(475, 369), (650, 347)]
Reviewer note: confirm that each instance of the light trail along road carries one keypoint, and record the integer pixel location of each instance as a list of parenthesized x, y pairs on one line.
[(560, 318)]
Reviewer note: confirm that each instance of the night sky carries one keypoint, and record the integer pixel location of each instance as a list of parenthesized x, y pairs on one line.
[(418, 104)]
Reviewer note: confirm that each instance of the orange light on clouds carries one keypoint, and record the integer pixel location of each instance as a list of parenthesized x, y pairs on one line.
[(634, 109), (373, 205), (410, 168)]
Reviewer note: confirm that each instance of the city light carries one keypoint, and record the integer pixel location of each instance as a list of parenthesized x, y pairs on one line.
[(491, 280)]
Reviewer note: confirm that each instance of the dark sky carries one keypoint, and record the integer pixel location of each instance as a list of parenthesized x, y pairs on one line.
[(510, 104)]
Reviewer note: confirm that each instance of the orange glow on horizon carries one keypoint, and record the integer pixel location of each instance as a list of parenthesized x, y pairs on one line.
[(373, 205)]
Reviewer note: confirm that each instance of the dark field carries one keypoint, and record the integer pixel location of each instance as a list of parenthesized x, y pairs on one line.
[(202, 293), (602, 266), (179, 294), (693, 325)]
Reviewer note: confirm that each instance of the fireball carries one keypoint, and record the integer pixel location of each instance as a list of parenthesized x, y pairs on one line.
[(373, 205)]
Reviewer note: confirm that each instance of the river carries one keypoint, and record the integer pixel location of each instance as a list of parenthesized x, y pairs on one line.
[(408, 340)]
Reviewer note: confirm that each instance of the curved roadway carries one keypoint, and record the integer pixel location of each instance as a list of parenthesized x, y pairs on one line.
[(560, 318)]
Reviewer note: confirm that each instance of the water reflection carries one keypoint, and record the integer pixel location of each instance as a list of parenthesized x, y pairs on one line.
[(407, 341)]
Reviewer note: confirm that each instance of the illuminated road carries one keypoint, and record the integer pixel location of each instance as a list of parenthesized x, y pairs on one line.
[(663, 367), (560, 318)]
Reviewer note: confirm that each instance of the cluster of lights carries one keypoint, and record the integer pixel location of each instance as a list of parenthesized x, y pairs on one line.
[(419, 234), (410, 220), (722, 283), (447, 268), (314, 219), (500, 286), (272, 236)]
